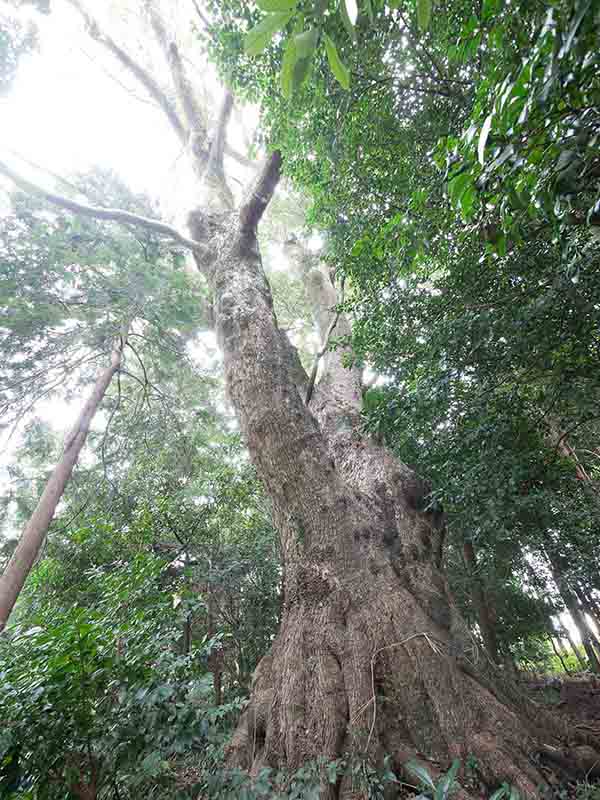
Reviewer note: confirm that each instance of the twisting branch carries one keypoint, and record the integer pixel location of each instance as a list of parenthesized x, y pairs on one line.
[(324, 348), (110, 214), (262, 191), (417, 42), (141, 75)]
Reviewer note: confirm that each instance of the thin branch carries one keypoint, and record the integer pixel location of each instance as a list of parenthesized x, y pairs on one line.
[(416, 41), (214, 168), (141, 75), (201, 16), (119, 82), (110, 214), (141, 363), (264, 187), (241, 159), (323, 350)]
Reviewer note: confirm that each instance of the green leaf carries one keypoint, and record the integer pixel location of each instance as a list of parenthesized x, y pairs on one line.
[(424, 9), (483, 136), (467, 201), (259, 37), (419, 771), (297, 61), (277, 5), (301, 71), (489, 8), (446, 783), (151, 764), (306, 42), (337, 66), (458, 185), (290, 56), (503, 791)]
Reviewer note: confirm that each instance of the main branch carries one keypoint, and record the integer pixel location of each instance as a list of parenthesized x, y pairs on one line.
[(98, 212), (261, 193)]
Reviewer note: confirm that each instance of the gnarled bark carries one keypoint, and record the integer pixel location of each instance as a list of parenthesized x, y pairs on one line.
[(372, 655)]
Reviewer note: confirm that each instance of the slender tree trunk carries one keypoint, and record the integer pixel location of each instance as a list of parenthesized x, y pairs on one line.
[(34, 534), (589, 616), (572, 606), (581, 625), (576, 651), (559, 653), (557, 643), (215, 659), (485, 616)]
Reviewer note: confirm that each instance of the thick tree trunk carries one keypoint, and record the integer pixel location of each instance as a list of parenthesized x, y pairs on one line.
[(34, 534), (372, 655)]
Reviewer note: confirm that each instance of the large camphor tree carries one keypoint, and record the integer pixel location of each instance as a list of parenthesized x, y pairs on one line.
[(372, 655)]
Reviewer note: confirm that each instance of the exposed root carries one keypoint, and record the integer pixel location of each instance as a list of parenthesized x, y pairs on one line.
[(333, 687)]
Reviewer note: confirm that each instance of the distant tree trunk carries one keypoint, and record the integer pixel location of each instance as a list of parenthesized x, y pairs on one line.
[(590, 614), (34, 534), (576, 651), (485, 616), (572, 606), (215, 659), (592, 605), (582, 628), (186, 639), (559, 653)]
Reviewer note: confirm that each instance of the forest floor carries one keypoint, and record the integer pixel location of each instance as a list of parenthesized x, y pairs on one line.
[(577, 699), (576, 696)]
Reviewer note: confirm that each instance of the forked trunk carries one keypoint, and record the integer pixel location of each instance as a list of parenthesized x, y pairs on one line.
[(372, 656)]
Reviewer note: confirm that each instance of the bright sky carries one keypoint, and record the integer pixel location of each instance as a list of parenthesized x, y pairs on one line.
[(67, 114)]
